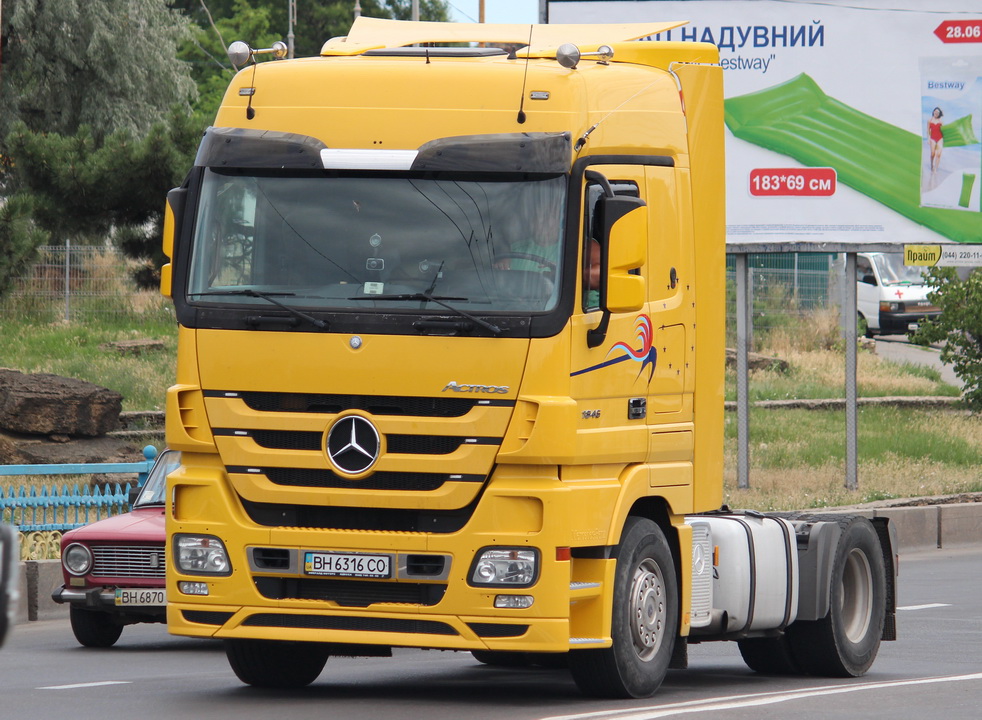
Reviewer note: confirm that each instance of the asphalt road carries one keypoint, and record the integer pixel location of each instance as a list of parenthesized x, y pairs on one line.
[(898, 349), (935, 669)]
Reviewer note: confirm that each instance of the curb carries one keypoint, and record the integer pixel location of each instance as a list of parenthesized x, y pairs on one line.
[(942, 525)]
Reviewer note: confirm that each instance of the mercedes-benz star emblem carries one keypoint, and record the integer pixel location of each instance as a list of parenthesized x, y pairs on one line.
[(353, 444)]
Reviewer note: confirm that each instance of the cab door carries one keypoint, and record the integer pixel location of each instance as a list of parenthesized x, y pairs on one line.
[(610, 375)]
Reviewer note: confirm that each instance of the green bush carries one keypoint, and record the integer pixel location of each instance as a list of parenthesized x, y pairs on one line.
[(959, 327)]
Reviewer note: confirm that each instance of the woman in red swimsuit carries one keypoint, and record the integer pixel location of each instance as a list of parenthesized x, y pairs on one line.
[(935, 138)]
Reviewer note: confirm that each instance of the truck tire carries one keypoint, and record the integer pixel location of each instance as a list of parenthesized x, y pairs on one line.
[(644, 623), (274, 663), (769, 656), (844, 643), (94, 629)]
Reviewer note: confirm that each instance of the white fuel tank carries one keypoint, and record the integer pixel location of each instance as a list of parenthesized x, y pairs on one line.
[(744, 573)]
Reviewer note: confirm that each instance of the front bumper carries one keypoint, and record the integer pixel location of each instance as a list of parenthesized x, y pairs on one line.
[(897, 323), (104, 598)]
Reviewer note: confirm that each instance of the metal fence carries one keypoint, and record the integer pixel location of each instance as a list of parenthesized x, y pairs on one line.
[(48, 508), (73, 283), (786, 290)]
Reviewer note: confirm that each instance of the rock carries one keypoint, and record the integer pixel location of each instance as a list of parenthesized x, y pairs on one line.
[(45, 404), (756, 361), (133, 347), (36, 450)]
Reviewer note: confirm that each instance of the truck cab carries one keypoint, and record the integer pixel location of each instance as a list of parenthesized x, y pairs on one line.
[(450, 363)]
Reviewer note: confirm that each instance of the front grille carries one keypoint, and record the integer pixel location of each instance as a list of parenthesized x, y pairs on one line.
[(357, 518), (358, 624), (311, 441), (405, 481), (374, 404), (138, 561), (351, 593)]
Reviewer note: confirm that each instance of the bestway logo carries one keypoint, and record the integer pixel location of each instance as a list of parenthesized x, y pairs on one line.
[(502, 389), (647, 355)]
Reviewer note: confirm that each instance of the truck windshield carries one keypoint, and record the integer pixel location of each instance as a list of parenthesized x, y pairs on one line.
[(893, 271), (364, 242)]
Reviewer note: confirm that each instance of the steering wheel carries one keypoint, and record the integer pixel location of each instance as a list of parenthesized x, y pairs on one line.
[(544, 262)]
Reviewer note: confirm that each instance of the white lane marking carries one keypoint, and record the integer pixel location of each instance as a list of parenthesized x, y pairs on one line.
[(86, 685), (755, 699), (924, 607)]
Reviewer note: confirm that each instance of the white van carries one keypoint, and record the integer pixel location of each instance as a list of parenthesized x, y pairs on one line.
[(891, 297)]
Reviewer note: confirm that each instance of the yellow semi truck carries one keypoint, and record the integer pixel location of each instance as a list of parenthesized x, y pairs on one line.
[(450, 370)]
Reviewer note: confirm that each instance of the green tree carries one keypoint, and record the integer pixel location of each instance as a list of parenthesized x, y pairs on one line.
[(959, 327), (19, 239), (95, 122), (109, 64), (87, 189)]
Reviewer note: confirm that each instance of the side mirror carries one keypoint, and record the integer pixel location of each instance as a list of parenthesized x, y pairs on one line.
[(869, 279), (173, 217), (623, 238), (626, 244)]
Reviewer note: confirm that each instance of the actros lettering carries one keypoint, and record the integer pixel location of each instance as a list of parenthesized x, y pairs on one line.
[(500, 389)]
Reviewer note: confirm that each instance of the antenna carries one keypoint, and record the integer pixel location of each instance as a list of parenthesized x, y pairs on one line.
[(521, 104), (250, 110)]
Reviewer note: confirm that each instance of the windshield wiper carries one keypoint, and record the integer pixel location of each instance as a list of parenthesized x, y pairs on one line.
[(269, 297), (439, 300)]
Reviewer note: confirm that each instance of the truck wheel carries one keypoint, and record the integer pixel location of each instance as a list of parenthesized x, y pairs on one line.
[(844, 643), (769, 656), (94, 629), (644, 621), (274, 663)]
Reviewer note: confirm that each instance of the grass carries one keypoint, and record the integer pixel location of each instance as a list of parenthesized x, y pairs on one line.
[(74, 350), (797, 457)]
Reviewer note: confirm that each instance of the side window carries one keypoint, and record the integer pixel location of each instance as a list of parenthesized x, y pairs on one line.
[(863, 269), (591, 238)]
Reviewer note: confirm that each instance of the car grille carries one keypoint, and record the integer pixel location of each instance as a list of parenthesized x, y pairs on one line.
[(141, 561)]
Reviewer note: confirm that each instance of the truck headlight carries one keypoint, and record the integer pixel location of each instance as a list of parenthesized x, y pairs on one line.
[(201, 555), (510, 567), (77, 559)]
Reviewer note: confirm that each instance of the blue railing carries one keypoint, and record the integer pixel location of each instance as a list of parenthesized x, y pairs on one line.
[(49, 508)]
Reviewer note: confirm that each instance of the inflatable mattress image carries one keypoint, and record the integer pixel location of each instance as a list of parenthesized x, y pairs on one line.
[(796, 118)]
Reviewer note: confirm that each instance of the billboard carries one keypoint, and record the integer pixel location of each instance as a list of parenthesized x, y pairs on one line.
[(856, 123)]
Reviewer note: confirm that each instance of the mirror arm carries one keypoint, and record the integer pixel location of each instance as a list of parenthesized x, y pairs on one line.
[(596, 336)]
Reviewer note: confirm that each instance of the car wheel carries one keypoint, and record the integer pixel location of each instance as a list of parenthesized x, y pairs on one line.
[(644, 623), (93, 628), (274, 663)]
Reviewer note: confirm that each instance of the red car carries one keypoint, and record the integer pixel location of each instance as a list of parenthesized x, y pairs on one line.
[(114, 568)]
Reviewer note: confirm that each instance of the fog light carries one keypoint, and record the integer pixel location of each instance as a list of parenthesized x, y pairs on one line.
[(513, 601), (193, 588), (517, 567)]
